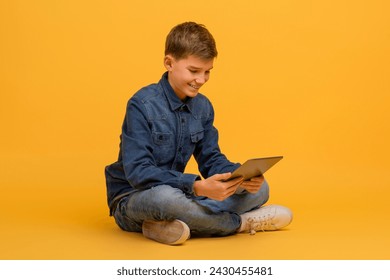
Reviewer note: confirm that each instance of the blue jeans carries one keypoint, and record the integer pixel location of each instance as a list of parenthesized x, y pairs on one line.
[(204, 216)]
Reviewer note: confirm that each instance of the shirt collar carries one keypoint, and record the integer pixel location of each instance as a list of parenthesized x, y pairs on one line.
[(174, 102)]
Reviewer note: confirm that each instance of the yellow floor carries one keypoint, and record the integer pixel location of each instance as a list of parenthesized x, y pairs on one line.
[(61, 220), (308, 80)]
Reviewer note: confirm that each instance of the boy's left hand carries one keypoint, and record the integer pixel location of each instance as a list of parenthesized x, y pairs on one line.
[(253, 185)]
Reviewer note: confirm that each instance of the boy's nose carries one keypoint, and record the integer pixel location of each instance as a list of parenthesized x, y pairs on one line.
[(201, 80)]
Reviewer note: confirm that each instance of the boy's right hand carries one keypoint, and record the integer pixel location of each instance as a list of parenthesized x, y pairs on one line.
[(215, 187)]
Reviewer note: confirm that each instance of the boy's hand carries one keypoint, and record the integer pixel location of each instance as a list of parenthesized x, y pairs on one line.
[(253, 185), (215, 188)]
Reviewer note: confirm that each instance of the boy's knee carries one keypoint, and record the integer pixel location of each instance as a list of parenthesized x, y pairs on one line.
[(168, 202), (264, 192), (165, 193)]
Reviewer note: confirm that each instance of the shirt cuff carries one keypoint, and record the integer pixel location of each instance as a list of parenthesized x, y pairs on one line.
[(187, 182)]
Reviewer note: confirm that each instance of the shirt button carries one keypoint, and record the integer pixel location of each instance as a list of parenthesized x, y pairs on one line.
[(180, 149), (183, 120)]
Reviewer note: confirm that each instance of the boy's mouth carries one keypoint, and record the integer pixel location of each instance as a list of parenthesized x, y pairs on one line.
[(195, 87)]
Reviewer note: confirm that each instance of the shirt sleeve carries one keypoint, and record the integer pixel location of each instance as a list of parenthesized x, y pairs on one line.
[(208, 154), (139, 164)]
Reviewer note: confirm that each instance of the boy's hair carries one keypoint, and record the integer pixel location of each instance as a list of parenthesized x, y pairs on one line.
[(190, 38)]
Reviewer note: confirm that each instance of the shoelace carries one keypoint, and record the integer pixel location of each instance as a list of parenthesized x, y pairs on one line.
[(259, 223)]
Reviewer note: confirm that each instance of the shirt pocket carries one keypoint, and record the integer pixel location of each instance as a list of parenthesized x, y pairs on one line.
[(164, 150), (197, 136), (162, 139)]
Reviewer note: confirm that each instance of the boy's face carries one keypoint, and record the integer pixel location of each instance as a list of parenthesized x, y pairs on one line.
[(187, 75)]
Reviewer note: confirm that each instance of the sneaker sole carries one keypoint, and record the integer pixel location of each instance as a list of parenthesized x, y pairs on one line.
[(167, 232)]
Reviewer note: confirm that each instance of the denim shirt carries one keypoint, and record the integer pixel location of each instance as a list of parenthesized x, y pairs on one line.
[(159, 135)]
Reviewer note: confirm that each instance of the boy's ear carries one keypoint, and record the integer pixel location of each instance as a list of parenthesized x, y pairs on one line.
[(168, 60)]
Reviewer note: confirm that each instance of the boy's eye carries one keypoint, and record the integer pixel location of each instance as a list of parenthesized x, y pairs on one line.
[(193, 71)]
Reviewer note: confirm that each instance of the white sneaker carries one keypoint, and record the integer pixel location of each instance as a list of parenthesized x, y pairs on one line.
[(168, 232), (270, 217)]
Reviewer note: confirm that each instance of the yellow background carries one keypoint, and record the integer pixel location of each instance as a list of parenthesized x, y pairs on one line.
[(308, 80)]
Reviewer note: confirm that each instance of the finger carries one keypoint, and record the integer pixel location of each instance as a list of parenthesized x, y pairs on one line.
[(257, 179), (235, 182), (234, 187), (251, 184), (230, 194), (222, 176), (232, 191), (252, 189)]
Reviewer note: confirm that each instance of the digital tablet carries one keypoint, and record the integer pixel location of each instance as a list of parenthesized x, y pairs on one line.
[(254, 167)]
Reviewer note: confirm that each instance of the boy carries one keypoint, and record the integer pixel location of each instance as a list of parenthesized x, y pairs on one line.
[(165, 124)]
